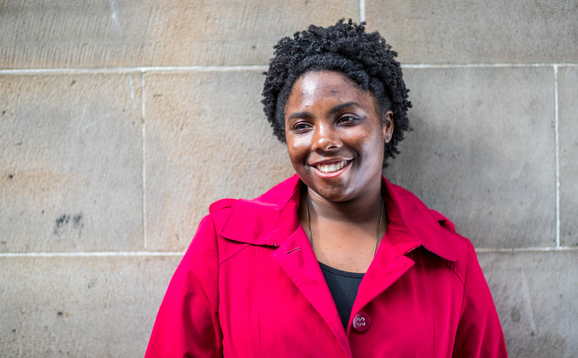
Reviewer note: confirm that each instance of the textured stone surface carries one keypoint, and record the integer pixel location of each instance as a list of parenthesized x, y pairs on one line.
[(80, 306), (72, 33), (206, 139), (568, 135), (495, 31), (71, 152), (535, 295), (70, 162), (483, 152)]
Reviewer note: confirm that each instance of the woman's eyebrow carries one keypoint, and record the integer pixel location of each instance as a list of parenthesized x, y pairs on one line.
[(342, 106), (333, 110), (303, 114)]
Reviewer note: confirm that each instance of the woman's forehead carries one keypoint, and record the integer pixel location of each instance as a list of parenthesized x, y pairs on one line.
[(327, 83), (326, 91)]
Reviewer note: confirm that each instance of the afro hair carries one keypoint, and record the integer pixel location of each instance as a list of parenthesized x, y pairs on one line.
[(363, 57)]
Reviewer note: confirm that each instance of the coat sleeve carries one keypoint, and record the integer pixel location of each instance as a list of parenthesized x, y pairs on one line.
[(187, 324), (479, 332)]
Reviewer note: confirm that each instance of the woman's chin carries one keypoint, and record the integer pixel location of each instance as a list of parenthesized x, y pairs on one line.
[(331, 194)]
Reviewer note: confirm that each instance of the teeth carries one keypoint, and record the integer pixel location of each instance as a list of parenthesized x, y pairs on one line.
[(329, 168)]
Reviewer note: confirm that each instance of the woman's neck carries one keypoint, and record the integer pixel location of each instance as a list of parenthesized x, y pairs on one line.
[(344, 235), (363, 209)]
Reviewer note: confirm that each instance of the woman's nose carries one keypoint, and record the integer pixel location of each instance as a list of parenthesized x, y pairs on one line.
[(325, 138)]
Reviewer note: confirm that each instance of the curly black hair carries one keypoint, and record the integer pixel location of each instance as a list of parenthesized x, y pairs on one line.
[(363, 57)]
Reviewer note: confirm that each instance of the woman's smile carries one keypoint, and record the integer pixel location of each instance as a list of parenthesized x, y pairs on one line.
[(335, 136), (331, 168)]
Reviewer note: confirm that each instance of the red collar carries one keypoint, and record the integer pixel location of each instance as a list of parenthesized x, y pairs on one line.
[(272, 217), (412, 224)]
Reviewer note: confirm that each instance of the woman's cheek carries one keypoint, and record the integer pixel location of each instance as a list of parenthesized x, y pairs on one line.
[(297, 150)]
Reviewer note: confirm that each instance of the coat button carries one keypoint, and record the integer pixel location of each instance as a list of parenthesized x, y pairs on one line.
[(361, 322)]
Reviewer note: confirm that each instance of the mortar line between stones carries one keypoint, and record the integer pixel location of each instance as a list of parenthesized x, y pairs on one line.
[(526, 249), (177, 253), (93, 254), (557, 160), (136, 69), (249, 68), (485, 65), (144, 176), (361, 10)]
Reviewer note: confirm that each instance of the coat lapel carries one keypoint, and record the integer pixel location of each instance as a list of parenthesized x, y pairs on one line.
[(410, 226), (297, 259), (387, 267), (271, 220)]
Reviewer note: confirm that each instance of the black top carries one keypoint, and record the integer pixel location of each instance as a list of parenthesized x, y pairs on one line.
[(343, 286)]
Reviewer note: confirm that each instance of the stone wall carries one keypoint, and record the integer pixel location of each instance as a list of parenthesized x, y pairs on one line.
[(120, 121)]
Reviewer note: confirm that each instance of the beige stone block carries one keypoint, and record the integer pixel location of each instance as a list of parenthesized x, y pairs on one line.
[(483, 152), (70, 162), (535, 295), (80, 306), (206, 139), (495, 31), (568, 152), (72, 33)]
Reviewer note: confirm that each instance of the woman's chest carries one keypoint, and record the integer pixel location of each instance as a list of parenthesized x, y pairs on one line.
[(273, 304)]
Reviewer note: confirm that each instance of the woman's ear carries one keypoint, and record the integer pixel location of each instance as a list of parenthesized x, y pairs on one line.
[(387, 125)]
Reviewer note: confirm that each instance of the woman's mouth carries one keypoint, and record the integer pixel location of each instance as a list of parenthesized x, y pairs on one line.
[(331, 167)]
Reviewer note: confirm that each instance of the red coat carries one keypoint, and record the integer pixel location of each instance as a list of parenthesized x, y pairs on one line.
[(250, 286)]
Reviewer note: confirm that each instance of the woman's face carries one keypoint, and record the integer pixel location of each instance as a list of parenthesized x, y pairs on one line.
[(335, 136)]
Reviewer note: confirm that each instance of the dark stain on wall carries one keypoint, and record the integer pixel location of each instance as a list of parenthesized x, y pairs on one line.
[(68, 222)]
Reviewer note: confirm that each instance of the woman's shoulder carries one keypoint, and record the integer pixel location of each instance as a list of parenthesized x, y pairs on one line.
[(252, 221), (269, 203), (431, 229), (278, 195)]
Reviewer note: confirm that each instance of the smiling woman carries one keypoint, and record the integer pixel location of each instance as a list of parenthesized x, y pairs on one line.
[(335, 261), (335, 139)]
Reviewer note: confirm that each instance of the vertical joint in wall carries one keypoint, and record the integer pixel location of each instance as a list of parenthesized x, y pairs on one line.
[(144, 187), (557, 156)]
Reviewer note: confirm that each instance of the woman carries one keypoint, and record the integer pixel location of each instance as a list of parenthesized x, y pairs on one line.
[(335, 261)]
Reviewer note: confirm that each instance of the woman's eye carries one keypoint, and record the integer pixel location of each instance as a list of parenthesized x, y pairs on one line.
[(300, 126), (347, 119)]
